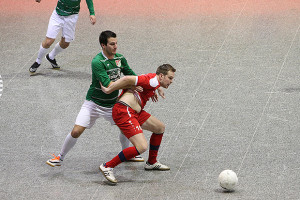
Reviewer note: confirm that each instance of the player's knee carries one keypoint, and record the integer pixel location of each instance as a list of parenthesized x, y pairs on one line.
[(47, 43), (64, 44), (76, 133), (160, 128), (142, 147)]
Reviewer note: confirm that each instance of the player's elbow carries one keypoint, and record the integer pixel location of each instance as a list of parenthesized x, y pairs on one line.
[(129, 80), (108, 91)]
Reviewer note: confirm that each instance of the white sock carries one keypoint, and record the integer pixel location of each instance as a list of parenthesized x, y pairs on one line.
[(57, 49), (124, 141), (41, 54), (68, 144)]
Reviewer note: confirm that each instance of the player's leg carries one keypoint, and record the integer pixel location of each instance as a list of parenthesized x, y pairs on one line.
[(125, 119), (140, 146), (59, 47), (85, 119), (71, 140), (134, 133), (154, 125), (68, 35), (68, 144), (157, 128), (54, 26), (47, 43), (125, 143)]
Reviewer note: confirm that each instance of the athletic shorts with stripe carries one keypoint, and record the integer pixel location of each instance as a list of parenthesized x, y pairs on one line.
[(128, 120)]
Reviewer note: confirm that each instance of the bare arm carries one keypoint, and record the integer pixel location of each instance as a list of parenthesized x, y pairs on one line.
[(122, 83)]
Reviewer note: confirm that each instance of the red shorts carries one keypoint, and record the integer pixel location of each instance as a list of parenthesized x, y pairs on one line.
[(128, 120)]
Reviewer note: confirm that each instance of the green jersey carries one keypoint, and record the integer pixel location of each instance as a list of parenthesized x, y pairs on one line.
[(105, 70), (70, 7)]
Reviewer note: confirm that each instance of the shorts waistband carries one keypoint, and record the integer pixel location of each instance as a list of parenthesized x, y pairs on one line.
[(123, 103)]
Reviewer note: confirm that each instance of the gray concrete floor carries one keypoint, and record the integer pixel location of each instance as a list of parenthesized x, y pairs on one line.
[(234, 103)]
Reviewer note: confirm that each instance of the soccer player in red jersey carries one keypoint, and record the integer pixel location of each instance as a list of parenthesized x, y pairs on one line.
[(130, 116)]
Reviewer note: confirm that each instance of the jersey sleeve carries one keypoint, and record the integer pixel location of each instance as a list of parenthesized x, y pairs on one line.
[(147, 81), (126, 70), (90, 5), (100, 73)]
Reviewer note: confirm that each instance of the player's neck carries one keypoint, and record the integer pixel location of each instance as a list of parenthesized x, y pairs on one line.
[(158, 78), (108, 56)]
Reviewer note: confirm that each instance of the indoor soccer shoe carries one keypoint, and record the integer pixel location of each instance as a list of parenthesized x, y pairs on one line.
[(156, 166), (108, 173), (34, 67), (56, 161), (52, 62), (137, 159)]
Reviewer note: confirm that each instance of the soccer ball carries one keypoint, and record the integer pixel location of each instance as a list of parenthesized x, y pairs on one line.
[(228, 179)]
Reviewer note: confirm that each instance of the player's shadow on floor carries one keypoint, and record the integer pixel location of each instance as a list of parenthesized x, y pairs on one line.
[(122, 180), (64, 73), (291, 90)]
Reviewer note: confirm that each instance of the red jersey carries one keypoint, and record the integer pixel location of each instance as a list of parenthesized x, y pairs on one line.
[(149, 83)]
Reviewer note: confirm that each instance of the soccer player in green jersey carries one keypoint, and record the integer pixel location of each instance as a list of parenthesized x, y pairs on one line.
[(106, 68), (64, 18)]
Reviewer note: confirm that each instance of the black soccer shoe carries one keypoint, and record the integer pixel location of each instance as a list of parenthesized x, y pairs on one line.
[(52, 62), (34, 67)]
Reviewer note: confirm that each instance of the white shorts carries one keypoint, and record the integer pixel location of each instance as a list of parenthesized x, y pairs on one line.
[(90, 112), (65, 23)]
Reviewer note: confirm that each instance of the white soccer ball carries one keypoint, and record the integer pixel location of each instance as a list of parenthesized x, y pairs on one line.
[(228, 179)]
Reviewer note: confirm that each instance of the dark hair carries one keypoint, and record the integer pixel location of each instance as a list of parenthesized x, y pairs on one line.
[(163, 69), (105, 35)]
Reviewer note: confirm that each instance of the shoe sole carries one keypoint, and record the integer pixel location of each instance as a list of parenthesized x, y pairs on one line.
[(110, 181), (157, 169), (31, 72), (52, 165), (141, 160)]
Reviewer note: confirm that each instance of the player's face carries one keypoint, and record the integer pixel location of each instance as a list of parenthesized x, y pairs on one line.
[(111, 48), (166, 80)]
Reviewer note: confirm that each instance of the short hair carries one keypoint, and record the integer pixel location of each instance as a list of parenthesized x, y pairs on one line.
[(105, 35), (164, 68)]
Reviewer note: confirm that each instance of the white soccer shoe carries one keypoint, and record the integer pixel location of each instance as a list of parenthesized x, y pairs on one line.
[(108, 173), (156, 166)]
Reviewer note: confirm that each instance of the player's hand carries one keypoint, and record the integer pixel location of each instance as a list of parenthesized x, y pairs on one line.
[(161, 92), (138, 88), (154, 97), (92, 19), (104, 89), (38, 1)]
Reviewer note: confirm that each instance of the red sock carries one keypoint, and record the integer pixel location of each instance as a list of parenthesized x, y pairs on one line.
[(124, 155), (155, 141)]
